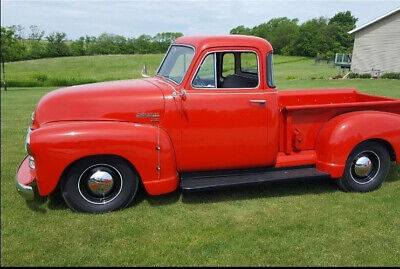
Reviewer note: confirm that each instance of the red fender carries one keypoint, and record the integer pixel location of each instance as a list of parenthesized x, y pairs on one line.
[(55, 146), (341, 134)]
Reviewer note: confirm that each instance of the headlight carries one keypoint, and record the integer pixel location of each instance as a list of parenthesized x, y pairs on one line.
[(31, 162), (28, 141), (33, 117)]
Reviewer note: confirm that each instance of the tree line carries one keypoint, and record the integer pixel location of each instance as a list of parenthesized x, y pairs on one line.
[(17, 46), (319, 37)]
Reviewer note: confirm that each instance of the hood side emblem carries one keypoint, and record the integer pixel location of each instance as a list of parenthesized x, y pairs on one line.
[(147, 115)]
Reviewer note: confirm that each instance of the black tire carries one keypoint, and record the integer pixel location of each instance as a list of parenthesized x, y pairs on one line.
[(99, 184), (366, 168)]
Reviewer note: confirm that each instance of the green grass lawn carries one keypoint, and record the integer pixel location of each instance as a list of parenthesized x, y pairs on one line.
[(301, 223), (66, 71)]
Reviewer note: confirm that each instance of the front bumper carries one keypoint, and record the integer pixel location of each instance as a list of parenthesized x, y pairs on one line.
[(25, 181)]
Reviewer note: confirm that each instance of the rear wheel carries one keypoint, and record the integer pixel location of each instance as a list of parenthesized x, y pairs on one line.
[(99, 184), (366, 168)]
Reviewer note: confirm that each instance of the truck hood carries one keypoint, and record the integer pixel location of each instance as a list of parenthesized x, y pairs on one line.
[(126, 100)]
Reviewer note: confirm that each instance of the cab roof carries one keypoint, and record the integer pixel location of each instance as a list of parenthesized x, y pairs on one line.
[(205, 42)]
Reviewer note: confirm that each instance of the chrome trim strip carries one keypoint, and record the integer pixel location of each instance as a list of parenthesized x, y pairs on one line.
[(224, 89), (169, 48), (258, 101), (215, 70), (188, 92), (222, 92)]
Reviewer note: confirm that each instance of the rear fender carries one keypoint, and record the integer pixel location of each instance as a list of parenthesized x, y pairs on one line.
[(341, 134), (55, 146)]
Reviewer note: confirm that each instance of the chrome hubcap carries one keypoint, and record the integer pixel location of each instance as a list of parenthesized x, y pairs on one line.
[(100, 182), (363, 166)]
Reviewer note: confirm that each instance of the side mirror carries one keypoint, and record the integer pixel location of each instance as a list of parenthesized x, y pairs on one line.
[(144, 72)]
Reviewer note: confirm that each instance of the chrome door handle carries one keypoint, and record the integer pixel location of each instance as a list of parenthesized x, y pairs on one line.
[(258, 101)]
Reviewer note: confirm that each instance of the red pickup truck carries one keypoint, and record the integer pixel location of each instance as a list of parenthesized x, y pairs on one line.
[(211, 117)]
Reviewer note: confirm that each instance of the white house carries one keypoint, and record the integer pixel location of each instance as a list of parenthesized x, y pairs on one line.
[(377, 45)]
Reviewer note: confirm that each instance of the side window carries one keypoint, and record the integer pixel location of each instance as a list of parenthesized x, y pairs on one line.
[(206, 77), (270, 70), (228, 64), (228, 70), (248, 63)]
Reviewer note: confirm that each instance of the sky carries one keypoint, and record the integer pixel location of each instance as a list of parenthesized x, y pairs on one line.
[(133, 18)]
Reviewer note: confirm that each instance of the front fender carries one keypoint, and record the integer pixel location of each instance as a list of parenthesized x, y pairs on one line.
[(55, 146), (341, 134)]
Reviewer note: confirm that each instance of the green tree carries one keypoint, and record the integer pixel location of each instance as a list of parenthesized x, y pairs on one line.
[(279, 32), (109, 44), (344, 22), (78, 47), (162, 41), (18, 31), (241, 30), (142, 44), (56, 45), (310, 39), (319, 36), (130, 47), (12, 49), (37, 48), (90, 45)]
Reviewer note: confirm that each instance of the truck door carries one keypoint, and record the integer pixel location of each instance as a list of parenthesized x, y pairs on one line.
[(224, 113)]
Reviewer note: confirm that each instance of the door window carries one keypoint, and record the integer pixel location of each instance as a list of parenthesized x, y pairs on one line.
[(206, 75), (248, 63), (229, 70), (228, 64)]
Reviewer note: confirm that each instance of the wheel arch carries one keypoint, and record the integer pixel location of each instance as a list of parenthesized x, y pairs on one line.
[(367, 167), (342, 134), (389, 147), (56, 147), (68, 167)]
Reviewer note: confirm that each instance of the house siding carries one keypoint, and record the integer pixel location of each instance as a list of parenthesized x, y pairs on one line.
[(378, 46)]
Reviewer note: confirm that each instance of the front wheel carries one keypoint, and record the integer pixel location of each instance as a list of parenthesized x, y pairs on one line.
[(366, 168), (99, 184)]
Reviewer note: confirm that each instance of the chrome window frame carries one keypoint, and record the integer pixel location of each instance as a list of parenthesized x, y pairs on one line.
[(165, 56), (215, 68)]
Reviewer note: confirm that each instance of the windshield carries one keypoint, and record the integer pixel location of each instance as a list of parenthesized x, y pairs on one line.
[(176, 63)]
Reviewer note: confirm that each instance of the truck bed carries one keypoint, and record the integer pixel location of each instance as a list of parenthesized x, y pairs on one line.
[(304, 112)]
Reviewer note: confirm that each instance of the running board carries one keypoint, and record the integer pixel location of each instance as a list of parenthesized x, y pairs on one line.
[(218, 179)]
